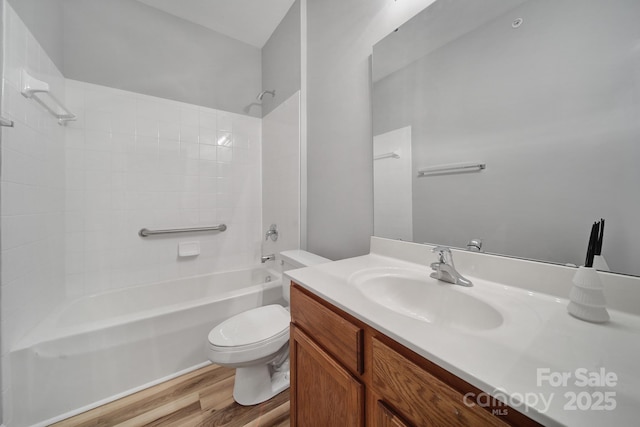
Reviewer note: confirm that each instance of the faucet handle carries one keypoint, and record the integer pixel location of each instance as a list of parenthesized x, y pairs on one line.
[(444, 254), (272, 232), (474, 245)]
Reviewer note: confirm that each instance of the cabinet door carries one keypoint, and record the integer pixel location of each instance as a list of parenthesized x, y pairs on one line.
[(323, 393), (385, 417)]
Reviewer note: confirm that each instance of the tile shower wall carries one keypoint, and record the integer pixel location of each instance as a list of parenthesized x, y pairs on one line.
[(135, 161), (73, 198), (32, 194)]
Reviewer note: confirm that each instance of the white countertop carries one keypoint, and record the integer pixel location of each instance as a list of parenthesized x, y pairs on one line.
[(537, 333)]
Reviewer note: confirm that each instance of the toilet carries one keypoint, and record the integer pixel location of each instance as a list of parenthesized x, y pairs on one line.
[(256, 342)]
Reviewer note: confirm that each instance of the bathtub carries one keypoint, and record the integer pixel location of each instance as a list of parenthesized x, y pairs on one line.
[(101, 347)]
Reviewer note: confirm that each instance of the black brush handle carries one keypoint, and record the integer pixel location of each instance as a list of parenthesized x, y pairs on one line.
[(586, 261), (592, 245), (598, 250)]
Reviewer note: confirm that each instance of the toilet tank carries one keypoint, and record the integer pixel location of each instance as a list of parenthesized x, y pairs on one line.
[(293, 259)]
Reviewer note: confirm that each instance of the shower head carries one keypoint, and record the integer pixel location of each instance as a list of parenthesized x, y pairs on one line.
[(261, 94)]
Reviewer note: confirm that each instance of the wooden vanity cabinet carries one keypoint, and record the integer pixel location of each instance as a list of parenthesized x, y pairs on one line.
[(345, 373), (326, 393)]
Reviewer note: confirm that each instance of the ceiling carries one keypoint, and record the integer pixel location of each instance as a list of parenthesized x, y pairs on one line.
[(250, 21)]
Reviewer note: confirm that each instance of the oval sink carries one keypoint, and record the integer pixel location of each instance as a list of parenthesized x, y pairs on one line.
[(414, 294)]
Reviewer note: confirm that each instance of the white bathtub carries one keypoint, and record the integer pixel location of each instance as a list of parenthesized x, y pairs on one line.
[(101, 347)]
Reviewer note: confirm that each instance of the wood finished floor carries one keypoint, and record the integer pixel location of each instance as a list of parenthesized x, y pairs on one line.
[(201, 398)]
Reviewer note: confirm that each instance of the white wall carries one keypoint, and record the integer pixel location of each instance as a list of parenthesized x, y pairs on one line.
[(341, 34), (281, 175), (135, 161), (32, 195)]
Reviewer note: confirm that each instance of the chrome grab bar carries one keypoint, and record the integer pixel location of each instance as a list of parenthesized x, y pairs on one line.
[(146, 232)]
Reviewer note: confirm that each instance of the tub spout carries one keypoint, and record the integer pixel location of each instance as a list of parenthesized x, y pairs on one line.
[(266, 258)]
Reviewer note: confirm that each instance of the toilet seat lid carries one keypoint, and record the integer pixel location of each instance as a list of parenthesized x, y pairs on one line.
[(250, 327)]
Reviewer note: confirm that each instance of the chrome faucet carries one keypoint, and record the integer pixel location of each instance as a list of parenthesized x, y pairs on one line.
[(445, 270), (266, 258)]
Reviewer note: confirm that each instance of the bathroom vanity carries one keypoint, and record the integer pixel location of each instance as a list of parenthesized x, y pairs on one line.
[(338, 363), (373, 344)]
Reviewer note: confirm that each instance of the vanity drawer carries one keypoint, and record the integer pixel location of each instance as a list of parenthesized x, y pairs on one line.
[(341, 338), (421, 398)]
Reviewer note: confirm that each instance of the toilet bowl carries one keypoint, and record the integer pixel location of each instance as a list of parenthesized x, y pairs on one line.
[(256, 342)]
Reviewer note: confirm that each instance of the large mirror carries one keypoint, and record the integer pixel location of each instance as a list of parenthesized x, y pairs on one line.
[(536, 104)]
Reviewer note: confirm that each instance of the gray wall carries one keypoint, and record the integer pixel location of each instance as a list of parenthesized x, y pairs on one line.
[(341, 34), (281, 60), (127, 45), (44, 19)]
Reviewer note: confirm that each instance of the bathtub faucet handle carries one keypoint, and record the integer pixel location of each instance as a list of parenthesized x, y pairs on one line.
[(272, 232)]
